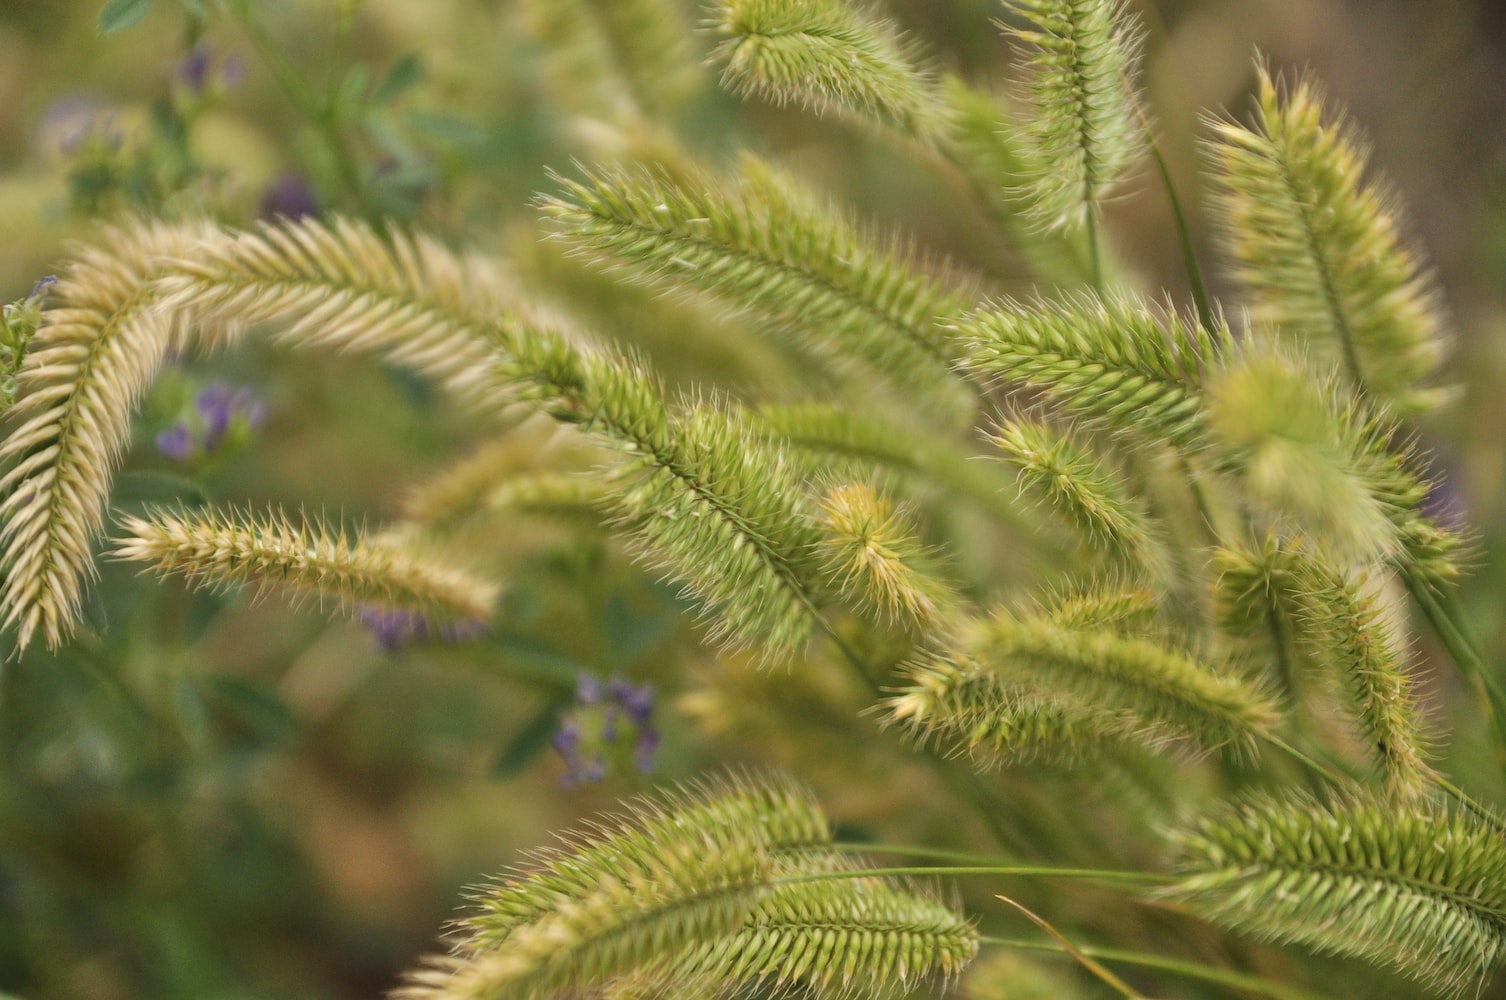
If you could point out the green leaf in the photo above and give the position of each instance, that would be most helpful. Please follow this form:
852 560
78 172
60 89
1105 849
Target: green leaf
405 73
118 15
530 741
250 708
135 489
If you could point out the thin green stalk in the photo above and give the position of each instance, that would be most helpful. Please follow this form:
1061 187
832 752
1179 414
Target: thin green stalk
1456 641
910 850
1024 871
1095 261
1481 813
1334 778
1184 235
322 112
1180 967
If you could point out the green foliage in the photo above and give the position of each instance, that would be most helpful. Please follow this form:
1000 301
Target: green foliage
956 490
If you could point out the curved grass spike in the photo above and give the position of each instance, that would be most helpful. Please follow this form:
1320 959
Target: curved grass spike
963 707
1161 687
97 350
871 549
708 498
774 814
714 886
761 244
1336 623
1065 476
121 308
1113 359
859 937
341 285
460 489
310 561
1414 887
1319 251
826 55
995 158
839 439
1281 426
1085 130
1120 606
1324 464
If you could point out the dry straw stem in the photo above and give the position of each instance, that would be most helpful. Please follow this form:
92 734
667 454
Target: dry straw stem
872 550
761 244
96 352
1112 359
1085 132
1319 251
341 285
826 55
309 561
706 496
1412 887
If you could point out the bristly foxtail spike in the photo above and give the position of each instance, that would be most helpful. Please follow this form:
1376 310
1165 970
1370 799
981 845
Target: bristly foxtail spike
308 560
96 352
1414 887
761 244
826 55
1321 251
1085 131
721 885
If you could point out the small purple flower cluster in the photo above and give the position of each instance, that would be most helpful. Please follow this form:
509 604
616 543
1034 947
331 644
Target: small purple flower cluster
220 412
204 71
393 628
610 725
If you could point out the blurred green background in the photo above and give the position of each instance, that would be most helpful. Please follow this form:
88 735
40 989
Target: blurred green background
209 796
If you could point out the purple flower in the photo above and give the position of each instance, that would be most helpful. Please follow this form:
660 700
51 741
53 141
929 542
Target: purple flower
393 628
636 700
289 197
177 443
196 70
644 750
610 727
218 411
